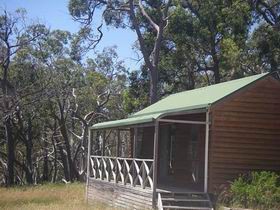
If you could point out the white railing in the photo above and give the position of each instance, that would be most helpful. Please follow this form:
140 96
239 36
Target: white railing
126 171
159 202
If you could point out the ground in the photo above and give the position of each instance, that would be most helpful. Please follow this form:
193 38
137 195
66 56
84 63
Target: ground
47 196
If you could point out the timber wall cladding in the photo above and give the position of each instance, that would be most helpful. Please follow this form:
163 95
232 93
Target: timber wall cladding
245 133
118 195
147 147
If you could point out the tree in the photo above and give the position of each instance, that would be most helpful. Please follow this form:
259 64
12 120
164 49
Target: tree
269 11
266 36
119 13
135 96
214 32
14 35
100 91
51 96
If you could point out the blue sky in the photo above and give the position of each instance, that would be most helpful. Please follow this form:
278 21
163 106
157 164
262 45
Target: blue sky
54 14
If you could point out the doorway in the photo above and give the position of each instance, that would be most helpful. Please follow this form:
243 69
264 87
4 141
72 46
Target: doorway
181 157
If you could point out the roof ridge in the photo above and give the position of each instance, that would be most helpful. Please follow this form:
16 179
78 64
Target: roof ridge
221 83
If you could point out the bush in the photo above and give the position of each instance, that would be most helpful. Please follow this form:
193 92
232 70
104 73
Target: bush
258 190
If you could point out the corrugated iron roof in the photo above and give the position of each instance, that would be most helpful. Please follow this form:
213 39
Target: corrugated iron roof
199 98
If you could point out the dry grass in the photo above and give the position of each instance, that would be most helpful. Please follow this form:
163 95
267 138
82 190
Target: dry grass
49 196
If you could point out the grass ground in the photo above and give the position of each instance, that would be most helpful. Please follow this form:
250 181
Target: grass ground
48 196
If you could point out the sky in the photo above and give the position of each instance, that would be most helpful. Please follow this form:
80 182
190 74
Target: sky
54 14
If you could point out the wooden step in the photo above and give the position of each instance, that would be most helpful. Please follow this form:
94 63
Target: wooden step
187 207
187 204
185 199
185 196
182 193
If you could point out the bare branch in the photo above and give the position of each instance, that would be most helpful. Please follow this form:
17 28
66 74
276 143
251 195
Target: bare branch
145 14
139 35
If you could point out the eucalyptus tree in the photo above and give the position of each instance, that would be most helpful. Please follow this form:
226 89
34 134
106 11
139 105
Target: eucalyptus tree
79 95
139 16
15 34
49 97
135 96
97 97
213 34
269 11
266 34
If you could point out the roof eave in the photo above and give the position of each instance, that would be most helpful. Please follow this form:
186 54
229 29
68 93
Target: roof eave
152 118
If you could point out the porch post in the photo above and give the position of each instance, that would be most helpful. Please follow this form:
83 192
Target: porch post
135 141
156 134
103 143
88 162
206 151
118 143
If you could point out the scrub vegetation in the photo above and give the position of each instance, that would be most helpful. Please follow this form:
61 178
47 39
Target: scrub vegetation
257 190
47 196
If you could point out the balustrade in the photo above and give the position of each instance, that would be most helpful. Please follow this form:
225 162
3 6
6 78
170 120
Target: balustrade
126 171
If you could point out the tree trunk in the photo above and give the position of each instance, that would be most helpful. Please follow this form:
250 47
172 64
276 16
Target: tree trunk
46 161
54 161
8 128
64 161
55 153
84 150
216 63
10 151
29 148
273 64
153 85
64 134
216 70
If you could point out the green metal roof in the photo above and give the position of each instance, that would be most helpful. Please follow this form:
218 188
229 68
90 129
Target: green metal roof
200 98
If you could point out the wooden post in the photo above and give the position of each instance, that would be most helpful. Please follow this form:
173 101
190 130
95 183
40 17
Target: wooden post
103 143
88 162
155 165
135 141
118 143
206 152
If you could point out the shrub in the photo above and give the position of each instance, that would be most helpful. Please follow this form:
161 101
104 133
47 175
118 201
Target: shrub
258 190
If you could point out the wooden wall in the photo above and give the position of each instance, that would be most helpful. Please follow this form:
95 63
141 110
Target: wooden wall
147 147
117 195
245 133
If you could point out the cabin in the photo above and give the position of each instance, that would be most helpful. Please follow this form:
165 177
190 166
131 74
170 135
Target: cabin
179 151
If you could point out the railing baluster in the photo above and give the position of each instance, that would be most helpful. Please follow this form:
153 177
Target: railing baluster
112 172
92 167
106 169
99 168
149 171
123 170
120 170
143 176
102 168
137 174
128 171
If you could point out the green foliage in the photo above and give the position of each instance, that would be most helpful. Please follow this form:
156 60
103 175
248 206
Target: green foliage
258 190
56 93
135 97
205 37
230 55
267 42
